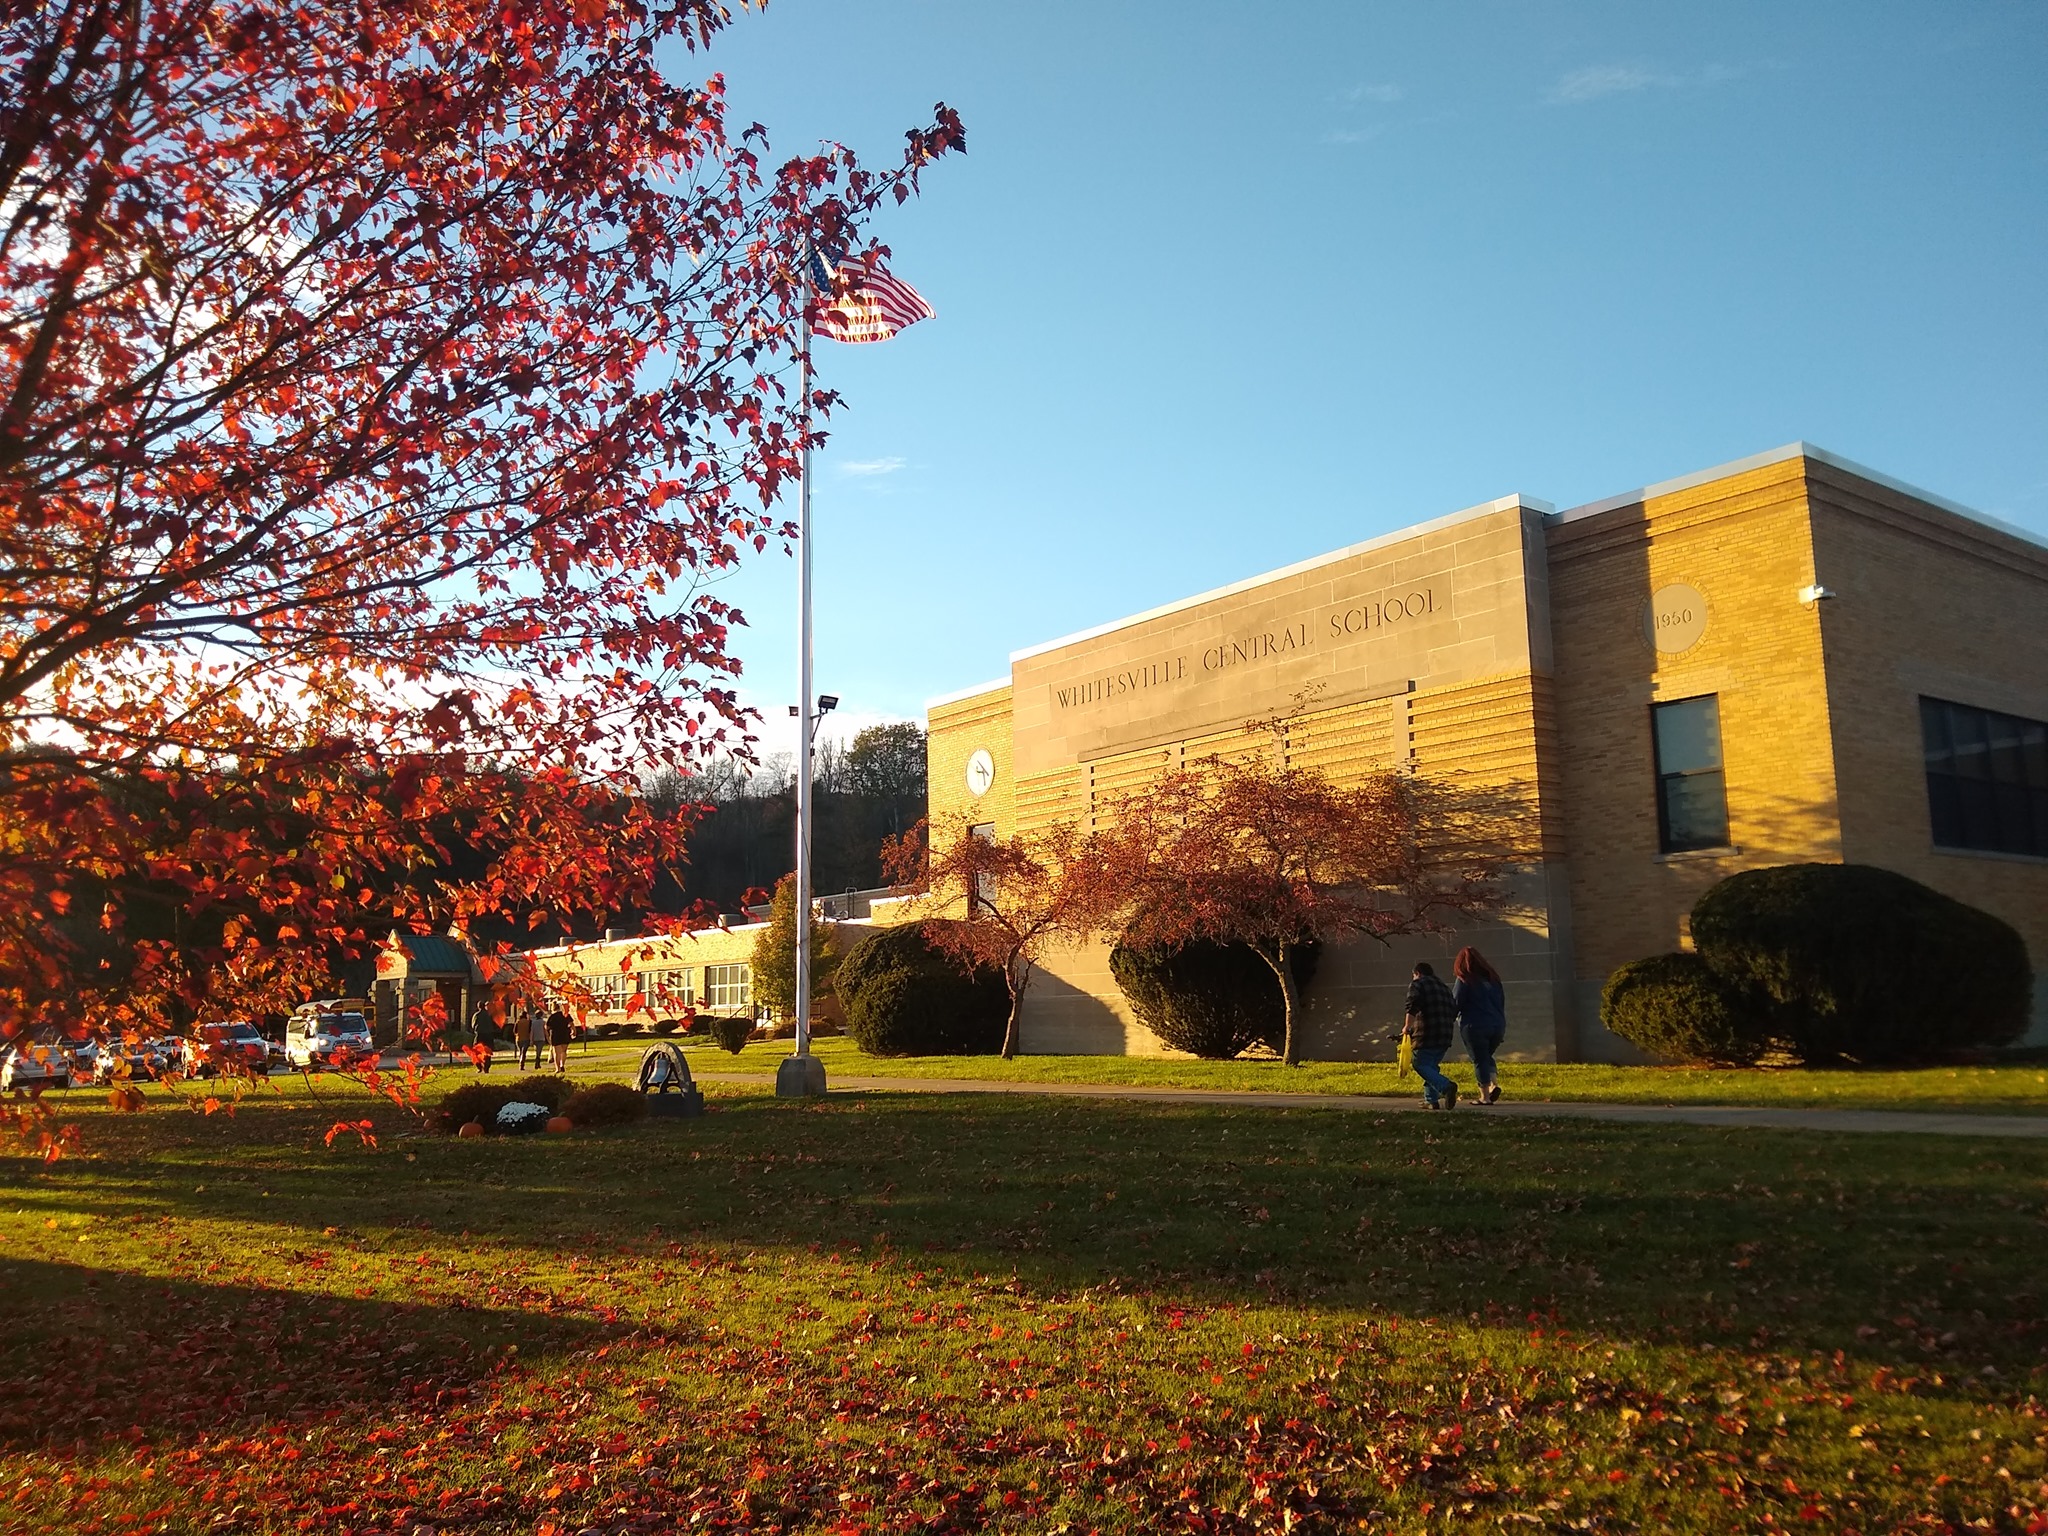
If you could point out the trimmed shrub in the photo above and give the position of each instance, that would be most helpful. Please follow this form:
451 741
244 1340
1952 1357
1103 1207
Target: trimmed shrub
731 1031
605 1104
544 1088
904 997
609 1030
474 1101
1674 1005
1848 962
666 1027
1212 1000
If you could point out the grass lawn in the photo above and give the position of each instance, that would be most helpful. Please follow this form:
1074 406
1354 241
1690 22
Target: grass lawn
2019 1088
953 1313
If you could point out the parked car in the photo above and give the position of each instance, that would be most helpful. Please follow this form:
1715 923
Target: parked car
317 1037
35 1064
226 1047
144 1059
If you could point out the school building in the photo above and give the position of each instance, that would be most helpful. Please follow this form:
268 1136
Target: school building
1784 659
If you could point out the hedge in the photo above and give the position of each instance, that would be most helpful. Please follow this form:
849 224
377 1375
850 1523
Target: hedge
1211 1000
906 997
605 1104
1849 962
1674 1005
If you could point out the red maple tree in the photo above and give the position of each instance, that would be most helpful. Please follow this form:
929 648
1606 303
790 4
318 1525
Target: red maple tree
381 383
1248 850
1020 895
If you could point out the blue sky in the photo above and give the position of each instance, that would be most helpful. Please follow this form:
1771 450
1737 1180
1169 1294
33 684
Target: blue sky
1224 286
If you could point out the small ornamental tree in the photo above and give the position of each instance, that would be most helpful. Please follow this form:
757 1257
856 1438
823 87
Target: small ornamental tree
1239 851
774 957
1019 895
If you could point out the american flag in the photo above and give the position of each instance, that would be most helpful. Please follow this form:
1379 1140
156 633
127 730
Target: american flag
859 301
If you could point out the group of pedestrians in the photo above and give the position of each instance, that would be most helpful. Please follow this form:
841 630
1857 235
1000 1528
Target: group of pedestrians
533 1029
1475 1005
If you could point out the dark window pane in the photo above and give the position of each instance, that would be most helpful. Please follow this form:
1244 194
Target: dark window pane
1934 734
1695 812
1689 736
1987 778
1692 800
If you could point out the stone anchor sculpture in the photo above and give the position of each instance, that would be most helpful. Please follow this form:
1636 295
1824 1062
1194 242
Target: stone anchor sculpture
665 1081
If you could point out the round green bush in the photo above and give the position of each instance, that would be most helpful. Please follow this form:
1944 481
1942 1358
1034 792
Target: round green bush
1211 1000
1674 1005
1848 962
547 1088
904 996
667 1027
605 1104
731 1031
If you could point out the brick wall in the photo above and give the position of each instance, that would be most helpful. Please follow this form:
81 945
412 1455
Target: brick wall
1745 543
1927 603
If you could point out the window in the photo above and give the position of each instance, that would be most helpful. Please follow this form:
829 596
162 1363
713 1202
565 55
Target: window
984 893
1692 801
729 988
1987 778
613 993
671 988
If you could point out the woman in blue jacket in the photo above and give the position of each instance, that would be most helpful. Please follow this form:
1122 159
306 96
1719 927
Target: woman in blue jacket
1482 1016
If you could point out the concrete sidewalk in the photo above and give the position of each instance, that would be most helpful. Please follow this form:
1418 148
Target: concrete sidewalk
1859 1121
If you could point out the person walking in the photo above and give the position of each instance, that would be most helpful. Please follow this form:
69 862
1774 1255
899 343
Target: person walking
1482 1016
483 1033
1427 1019
533 1034
561 1029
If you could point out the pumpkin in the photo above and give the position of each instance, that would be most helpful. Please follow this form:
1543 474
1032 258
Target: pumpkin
474 1128
561 1123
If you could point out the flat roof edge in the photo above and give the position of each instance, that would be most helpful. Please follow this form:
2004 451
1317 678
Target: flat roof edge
1398 536
960 695
1798 450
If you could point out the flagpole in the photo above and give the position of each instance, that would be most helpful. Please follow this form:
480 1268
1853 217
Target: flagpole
802 1075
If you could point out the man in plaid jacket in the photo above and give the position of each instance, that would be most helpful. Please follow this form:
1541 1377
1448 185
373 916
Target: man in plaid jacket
1429 1019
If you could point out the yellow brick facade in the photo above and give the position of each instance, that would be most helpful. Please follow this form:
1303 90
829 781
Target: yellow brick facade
1523 650
1745 543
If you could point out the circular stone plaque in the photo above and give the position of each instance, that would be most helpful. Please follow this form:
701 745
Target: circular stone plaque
981 772
1675 618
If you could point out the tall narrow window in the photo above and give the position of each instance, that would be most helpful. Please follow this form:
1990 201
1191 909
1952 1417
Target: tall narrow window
1987 778
1692 800
984 893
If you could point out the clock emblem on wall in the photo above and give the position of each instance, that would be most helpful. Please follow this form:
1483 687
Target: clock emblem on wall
981 772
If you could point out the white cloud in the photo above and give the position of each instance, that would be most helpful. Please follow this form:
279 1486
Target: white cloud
1350 135
1380 93
865 469
1598 80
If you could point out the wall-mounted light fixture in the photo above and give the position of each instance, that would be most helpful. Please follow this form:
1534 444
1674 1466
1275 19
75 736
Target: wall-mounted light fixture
1813 594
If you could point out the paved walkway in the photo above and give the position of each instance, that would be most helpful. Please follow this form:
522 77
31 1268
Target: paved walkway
1865 1121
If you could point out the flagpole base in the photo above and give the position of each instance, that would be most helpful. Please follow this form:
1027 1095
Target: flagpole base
800 1077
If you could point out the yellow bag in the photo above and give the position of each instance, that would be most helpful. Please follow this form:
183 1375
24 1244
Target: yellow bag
1405 1057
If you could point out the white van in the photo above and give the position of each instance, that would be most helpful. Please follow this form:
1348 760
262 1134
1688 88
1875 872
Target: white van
319 1032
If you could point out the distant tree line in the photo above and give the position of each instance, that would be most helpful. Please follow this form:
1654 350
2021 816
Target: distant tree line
868 791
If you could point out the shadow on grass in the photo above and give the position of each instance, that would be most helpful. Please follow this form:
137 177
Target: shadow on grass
1919 1254
93 1355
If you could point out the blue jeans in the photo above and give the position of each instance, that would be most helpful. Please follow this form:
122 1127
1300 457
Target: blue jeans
1429 1066
1482 1040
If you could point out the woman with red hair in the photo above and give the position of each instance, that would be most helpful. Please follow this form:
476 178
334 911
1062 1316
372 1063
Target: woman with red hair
1482 1016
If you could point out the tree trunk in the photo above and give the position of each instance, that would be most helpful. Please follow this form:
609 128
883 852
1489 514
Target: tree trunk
1018 975
1290 1001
